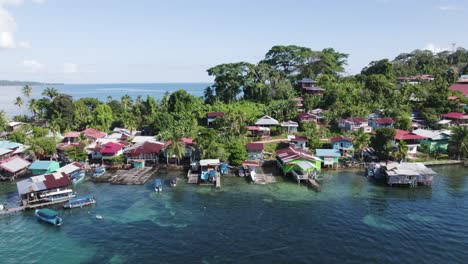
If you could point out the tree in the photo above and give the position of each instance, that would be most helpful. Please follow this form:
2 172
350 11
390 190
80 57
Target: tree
229 79
33 107
176 148
102 117
402 150
17 137
237 153
27 90
360 142
77 154
458 143
38 131
383 67
50 92
3 120
19 102
62 110
41 147
287 59
382 142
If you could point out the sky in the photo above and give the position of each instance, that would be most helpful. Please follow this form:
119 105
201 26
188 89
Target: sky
144 41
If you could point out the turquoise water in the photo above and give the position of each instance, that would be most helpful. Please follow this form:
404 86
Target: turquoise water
352 220
99 91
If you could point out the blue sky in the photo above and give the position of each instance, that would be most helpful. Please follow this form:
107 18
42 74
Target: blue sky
102 41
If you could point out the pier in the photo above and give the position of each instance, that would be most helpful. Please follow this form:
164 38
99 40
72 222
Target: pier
132 176
264 178
307 178
192 177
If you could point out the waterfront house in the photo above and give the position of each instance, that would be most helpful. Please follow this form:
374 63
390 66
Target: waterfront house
410 174
456 118
342 143
255 151
353 124
189 145
12 167
330 157
258 131
306 117
45 189
384 122
43 167
290 126
288 158
211 117
435 140
5 153
299 142
70 168
16 148
310 86
411 139
147 151
93 134
108 151
266 121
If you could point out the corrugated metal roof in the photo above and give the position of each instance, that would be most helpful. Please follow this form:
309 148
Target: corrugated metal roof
14 164
4 151
41 164
327 152
267 121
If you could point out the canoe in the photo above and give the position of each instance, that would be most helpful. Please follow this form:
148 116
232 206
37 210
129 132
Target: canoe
48 216
77 177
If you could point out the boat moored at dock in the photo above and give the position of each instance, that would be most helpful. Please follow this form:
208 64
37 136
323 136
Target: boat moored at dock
158 185
99 171
80 201
48 216
77 177
174 181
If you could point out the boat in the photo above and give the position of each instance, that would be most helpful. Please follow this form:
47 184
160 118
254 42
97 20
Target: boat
99 217
58 195
223 169
80 201
157 185
174 181
77 177
99 171
48 216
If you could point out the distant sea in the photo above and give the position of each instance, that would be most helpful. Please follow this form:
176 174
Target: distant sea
99 91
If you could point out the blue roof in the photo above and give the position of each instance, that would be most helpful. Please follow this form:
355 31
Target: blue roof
41 165
9 144
327 152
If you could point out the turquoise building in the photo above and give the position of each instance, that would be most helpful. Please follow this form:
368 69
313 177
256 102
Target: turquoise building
39 167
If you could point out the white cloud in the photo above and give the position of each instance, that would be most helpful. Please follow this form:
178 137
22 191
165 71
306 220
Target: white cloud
447 8
32 65
70 67
39 1
24 44
11 2
7 29
434 48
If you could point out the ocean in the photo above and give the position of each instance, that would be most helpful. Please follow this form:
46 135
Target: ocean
352 220
99 91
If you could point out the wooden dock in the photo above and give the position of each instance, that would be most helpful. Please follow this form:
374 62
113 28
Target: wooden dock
313 184
192 177
132 176
15 210
218 180
264 178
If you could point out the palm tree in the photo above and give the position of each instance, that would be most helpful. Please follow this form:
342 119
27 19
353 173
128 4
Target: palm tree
458 143
19 102
176 148
33 107
402 150
27 90
3 120
360 142
109 99
50 92
126 101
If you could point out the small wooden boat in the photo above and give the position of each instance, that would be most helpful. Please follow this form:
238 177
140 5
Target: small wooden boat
99 171
80 201
77 177
99 217
48 216
174 181
157 185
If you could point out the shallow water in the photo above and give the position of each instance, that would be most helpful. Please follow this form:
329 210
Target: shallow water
351 220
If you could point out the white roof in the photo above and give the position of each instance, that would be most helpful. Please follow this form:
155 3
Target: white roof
115 136
394 169
305 165
69 168
13 123
206 162
444 122
4 151
14 164
142 139
433 134
266 121
289 124
21 149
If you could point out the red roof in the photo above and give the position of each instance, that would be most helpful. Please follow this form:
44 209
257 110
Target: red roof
72 134
383 120
341 138
253 128
455 115
214 114
187 141
288 154
111 148
51 182
254 146
250 163
406 135
146 148
65 146
452 97
94 133
462 87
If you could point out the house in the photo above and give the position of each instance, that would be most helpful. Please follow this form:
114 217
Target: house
126 133
12 167
143 139
147 151
435 140
258 131
70 168
384 122
288 158
330 157
300 104
342 143
14 126
411 139
455 118
211 117
189 145
71 137
93 134
17 148
310 86
290 126
255 151
5 153
299 142
415 79
306 117
108 151
48 188
353 124
43 167
266 121
461 86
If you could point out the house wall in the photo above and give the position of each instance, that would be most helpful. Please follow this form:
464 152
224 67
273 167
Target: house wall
440 145
254 154
342 144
